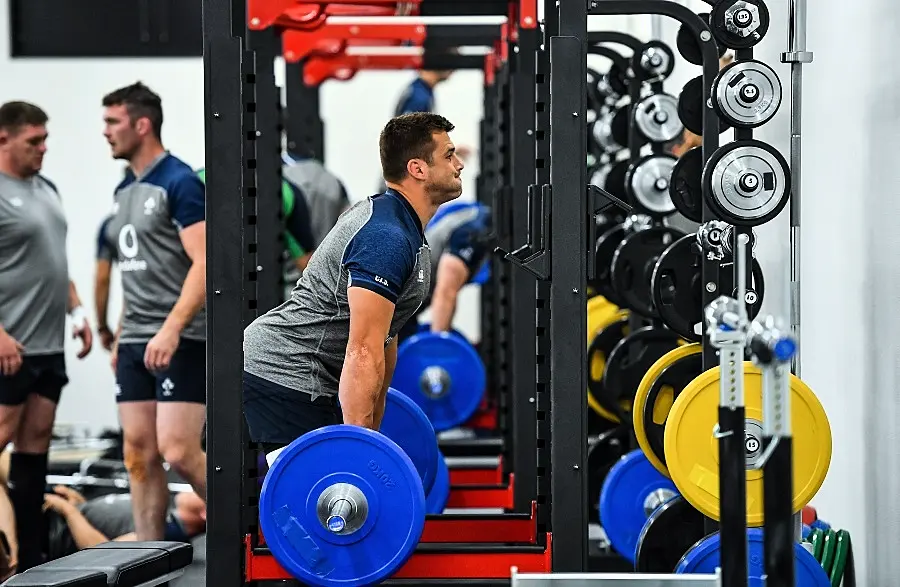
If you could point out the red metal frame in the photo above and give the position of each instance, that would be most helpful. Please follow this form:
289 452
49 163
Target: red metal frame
482 496
426 565
262 14
450 529
318 68
480 476
486 416
332 39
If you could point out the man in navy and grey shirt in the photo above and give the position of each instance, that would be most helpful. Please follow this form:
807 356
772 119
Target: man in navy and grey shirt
336 337
459 236
159 230
35 294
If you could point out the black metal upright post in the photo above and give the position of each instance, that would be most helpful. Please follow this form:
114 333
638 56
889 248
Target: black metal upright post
304 127
568 299
226 89
522 283
484 187
270 248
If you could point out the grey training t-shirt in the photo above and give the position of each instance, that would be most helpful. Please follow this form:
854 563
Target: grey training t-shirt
34 276
148 216
325 195
378 244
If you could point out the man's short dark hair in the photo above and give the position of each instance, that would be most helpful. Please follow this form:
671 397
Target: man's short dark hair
140 102
408 136
15 115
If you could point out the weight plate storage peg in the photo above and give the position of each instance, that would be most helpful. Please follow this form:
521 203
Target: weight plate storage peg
436 498
748 181
633 262
606 451
685 187
691 107
746 93
739 24
692 450
599 348
632 491
687 45
648 182
342 506
656 117
628 362
670 531
657 392
653 60
443 374
615 179
405 423
705 558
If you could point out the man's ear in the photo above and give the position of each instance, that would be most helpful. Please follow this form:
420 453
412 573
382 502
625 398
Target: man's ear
142 126
416 168
4 137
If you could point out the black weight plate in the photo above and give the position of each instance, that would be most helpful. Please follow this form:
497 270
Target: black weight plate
691 107
687 44
627 364
605 452
670 531
632 266
604 250
621 122
676 288
615 180
676 377
595 99
685 187
617 78
757 286
726 38
647 55
603 344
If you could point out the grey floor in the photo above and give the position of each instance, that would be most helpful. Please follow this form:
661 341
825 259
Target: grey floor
195 574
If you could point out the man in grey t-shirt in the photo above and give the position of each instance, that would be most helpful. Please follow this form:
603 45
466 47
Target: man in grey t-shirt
335 338
159 230
35 294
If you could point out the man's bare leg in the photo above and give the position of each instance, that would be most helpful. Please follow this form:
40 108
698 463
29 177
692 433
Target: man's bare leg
149 490
179 427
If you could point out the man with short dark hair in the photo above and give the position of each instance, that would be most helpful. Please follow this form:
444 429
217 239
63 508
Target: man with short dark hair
335 338
158 227
35 295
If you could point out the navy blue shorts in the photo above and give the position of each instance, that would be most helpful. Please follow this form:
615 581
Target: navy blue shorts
183 381
278 415
43 375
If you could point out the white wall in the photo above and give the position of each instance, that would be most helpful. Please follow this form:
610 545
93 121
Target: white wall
78 160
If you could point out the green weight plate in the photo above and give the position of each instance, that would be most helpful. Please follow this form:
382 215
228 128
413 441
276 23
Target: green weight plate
817 540
841 556
830 542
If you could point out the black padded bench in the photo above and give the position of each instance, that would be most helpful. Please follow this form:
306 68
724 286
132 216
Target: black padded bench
112 564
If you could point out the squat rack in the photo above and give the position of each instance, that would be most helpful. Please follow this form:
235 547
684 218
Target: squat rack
239 212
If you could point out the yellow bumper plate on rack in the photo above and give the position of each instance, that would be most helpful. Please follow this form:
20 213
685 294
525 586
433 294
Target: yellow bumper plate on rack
610 328
658 389
692 450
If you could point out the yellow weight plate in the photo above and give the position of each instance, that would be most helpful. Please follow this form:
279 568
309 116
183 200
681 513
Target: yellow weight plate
597 362
597 309
663 404
692 452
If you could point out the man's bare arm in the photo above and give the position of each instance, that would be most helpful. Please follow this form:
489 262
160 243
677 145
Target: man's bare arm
102 273
193 292
390 361
83 533
362 377
452 275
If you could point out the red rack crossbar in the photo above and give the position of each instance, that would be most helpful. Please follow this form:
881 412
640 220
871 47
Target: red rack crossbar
482 496
331 38
477 476
343 67
261 14
449 529
426 565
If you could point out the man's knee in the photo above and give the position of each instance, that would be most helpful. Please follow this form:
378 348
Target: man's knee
180 453
141 457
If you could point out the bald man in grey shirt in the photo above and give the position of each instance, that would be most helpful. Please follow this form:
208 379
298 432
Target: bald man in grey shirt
35 294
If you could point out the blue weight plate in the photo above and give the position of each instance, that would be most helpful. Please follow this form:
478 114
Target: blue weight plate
703 558
426 327
436 499
483 274
443 374
448 208
630 486
310 469
406 424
